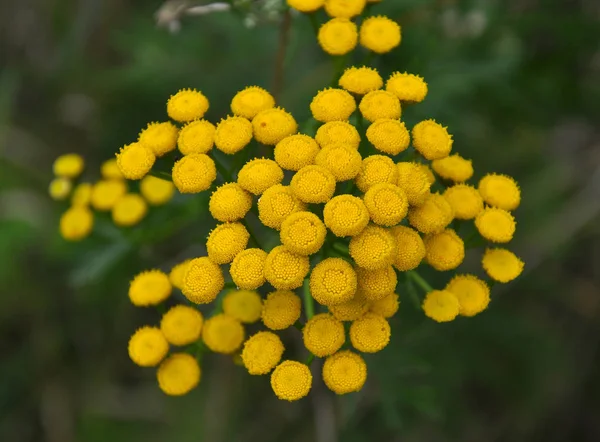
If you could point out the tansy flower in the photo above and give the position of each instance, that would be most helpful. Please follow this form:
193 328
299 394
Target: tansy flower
388 136
296 151
225 241
76 223
129 210
149 288
156 190
243 305
370 333
148 346
161 138
291 380
323 335
373 248
360 80
82 195
281 309
313 184
223 334
249 102
276 204
106 193
454 168
110 170
432 216
346 215
135 160
178 374
203 281
496 225
68 166
333 281
306 5
194 173
338 36
425 168
187 105
432 140
332 105
338 132
285 270
473 294
465 201
229 202
387 204
262 352
386 307
182 325
59 189
407 87
233 134
500 191
303 233
376 284
412 179
379 34
350 310
259 174
502 265
196 137
376 169
344 162
247 269
344 8
445 250
344 372
441 305
380 104
273 125
177 273
410 248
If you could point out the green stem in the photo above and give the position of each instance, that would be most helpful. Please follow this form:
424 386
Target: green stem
298 325
412 293
252 236
339 62
342 248
314 22
368 58
160 174
310 358
222 170
309 304
420 281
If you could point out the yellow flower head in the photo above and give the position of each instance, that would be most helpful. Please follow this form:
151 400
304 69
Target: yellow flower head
135 160
178 374
194 173
129 210
182 325
441 305
370 333
387 204
68 166
110 170
285 270
106 193
291 380
500 191
430 176
380 34
281 309
332 105
376 169
445 250
243 305
59 188
380 104
344 372
82 195
376 284
76 223
249 102
433 215
454 168
225 241
259 174
502 265
148 346
262 352
313 184
247 269
465 201
276 204
346 215
350 310
187 105
156 190
473 294
496 225
388 136
432 140
408 88
332 282
361 80
203 281
223 334
344 8
414 181
338 36
386 307
197 136
373 248
273 125
410 249
177 274
296 151
149 288
323 335
303 233
338 132
161 138
343 161
229 202
306 5
233 134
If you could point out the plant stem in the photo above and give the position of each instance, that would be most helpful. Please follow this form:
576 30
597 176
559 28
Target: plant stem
310 358
342 248
252 236
298 325
222 170
284 34
309 304
314 22
160 174
338 68
420 281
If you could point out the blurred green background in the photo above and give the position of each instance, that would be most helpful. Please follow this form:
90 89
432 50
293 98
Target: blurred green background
516 81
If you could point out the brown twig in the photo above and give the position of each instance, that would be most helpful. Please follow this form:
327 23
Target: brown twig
284 36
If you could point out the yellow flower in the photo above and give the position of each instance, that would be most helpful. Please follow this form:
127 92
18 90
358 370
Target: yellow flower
386 307
376 169
346 215
445 250
247 269
313 184
273 125
350 310
148 346
178 374
361 80
285 270
187 105
249 102
380 104
344 8
414 181
376 284
68 166
161 138
454 168
296 151
135 160
337 132
410 249
150 287
432 140
156 190
106 193
233 134
110 170
500 191
502 265
344 162
387 204
262 352
197 136
129 210
76 223
409 88
225 241
496 225
441 305
182 325
306 5
259 174
229 202
323 335
332 282
465 201
473 294
194 173
82 195
370 333
276 204
338 36
433 215
243 305
332 105
344 372
59 188
430 176
291 380
373 248
303 233
203 281
388 136
380 34
223 334
177 274
281 309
